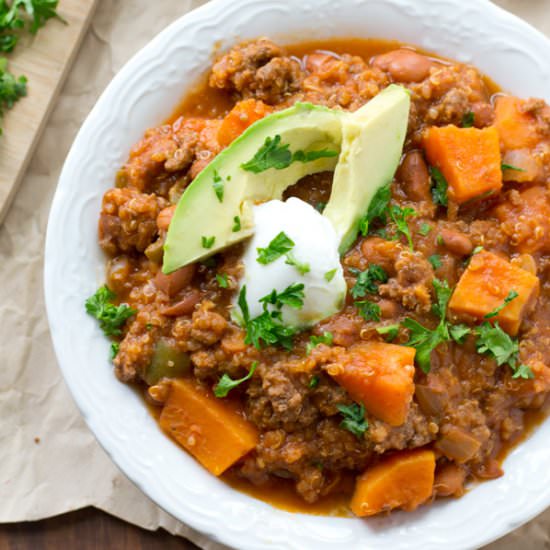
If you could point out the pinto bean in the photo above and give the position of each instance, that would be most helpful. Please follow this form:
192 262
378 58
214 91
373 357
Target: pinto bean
414 175
165 217
388 309
404 65
183 307
174 282
456 242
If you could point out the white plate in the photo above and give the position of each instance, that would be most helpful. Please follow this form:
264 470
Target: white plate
142 94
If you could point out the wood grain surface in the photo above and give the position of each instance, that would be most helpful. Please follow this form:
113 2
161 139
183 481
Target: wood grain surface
87 529
44 60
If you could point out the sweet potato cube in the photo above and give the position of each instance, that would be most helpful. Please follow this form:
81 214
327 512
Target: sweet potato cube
515 128
486 283
403 480
380 376
210 429
526 221
469 159
244 114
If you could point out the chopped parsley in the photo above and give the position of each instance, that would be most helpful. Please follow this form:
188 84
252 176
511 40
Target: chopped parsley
512 295
292 296
329 275
504 166
326 338
11 88
24 14
313 381
110 316
459 332
354 419
367 280
439 187
236 224
223 280
115 346
368 310
399 216
226 383
435 260
477 250
279 246
425 229
492 340
267 328
390 332
274 154
302 268
468 119
218 185
377 209
208 242
423 339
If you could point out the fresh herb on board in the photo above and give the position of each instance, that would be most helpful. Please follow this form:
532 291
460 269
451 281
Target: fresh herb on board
326 338
512 295
439 187
11 88
274 154
280 245
367 280
301 267
226 383
266 329
16 17
354 419
468 119
110 316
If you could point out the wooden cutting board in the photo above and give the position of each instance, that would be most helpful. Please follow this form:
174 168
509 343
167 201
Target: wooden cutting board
45 61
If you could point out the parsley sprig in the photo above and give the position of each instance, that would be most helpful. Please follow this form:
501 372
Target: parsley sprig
279 246
367 280
354 419
267 328
292 296
512 295
226 383
110 316
326 338
277 155
377 209
11 88
439 187
399 216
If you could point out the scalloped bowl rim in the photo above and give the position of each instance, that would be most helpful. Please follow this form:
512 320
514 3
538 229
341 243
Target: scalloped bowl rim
74 269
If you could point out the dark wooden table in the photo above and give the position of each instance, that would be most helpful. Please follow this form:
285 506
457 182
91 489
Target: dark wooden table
87 529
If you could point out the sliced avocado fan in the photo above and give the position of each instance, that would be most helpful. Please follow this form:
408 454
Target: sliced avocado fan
372 144
215 211
363 147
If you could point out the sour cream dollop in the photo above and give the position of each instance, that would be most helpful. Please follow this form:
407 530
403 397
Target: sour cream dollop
315 246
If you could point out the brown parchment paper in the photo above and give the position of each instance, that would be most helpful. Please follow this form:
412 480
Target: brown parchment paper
50 462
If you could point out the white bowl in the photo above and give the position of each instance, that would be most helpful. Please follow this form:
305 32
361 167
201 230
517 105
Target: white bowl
142 94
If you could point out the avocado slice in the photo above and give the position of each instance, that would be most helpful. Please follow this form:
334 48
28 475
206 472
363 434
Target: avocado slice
215 211
372 143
